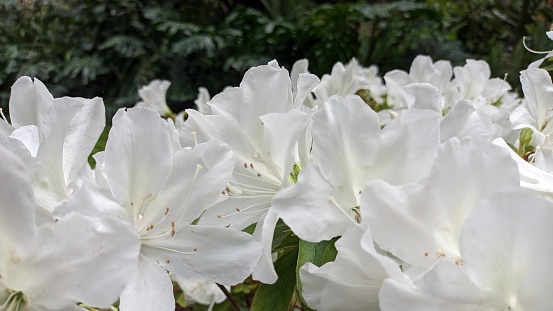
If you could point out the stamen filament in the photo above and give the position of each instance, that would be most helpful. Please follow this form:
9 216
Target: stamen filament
331 200
530 50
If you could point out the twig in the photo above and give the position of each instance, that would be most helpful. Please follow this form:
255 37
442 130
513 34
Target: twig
229 297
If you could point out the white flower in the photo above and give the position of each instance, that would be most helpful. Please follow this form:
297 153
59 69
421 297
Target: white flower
422 70
49 268
202 100
202 292
353 280
505 251
153 96
349 149
347 80
161 193
548 54
421 222
262 122
536 114
58 136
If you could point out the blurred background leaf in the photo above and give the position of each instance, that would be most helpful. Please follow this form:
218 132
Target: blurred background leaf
105 48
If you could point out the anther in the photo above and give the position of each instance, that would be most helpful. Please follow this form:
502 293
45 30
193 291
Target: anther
195 249
251 165
245 165
425 254
166 210
237 209
258 175
167 261
219 216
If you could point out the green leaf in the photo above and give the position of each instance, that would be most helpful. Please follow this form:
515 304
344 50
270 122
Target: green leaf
277 296
317 253
181 300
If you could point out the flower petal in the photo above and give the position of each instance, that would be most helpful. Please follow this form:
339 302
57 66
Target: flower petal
137 156
222 255
150 289
92 269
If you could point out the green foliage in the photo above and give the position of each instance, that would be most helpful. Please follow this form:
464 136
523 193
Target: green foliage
317 253
278 296
109 48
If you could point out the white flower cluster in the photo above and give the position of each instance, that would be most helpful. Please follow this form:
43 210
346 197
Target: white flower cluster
436 185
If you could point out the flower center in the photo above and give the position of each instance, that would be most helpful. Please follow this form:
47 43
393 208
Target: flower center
15 301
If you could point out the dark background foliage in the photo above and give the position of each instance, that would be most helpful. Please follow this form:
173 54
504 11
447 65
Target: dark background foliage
109 48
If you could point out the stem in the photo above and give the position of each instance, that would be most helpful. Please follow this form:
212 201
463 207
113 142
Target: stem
229 297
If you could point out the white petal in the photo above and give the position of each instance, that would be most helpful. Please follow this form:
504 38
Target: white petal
506 248
198 177
313 208
222 255
353 280
227 104
256 90
531 177
264 231
443 287
137 156
54 124
408 144
463 120
418 224
236 212
150 289
423 96
28 100
306 83
83 132
17 205
538 91
281 134
5 128
205 128
337 131
92 269
29 136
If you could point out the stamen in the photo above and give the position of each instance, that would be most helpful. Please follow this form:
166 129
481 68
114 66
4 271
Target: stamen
199 167
174 250
343 211
530 50
2 114
195 138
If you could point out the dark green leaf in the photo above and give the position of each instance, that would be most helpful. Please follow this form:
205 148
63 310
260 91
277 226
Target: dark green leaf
277 297
317 253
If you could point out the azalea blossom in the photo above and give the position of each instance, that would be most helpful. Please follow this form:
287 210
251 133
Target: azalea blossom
161 193
548 54
353 280
202 292
422 70
420 222
153 97
500 267
46 267
348 79
264 127
54 137
349 149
